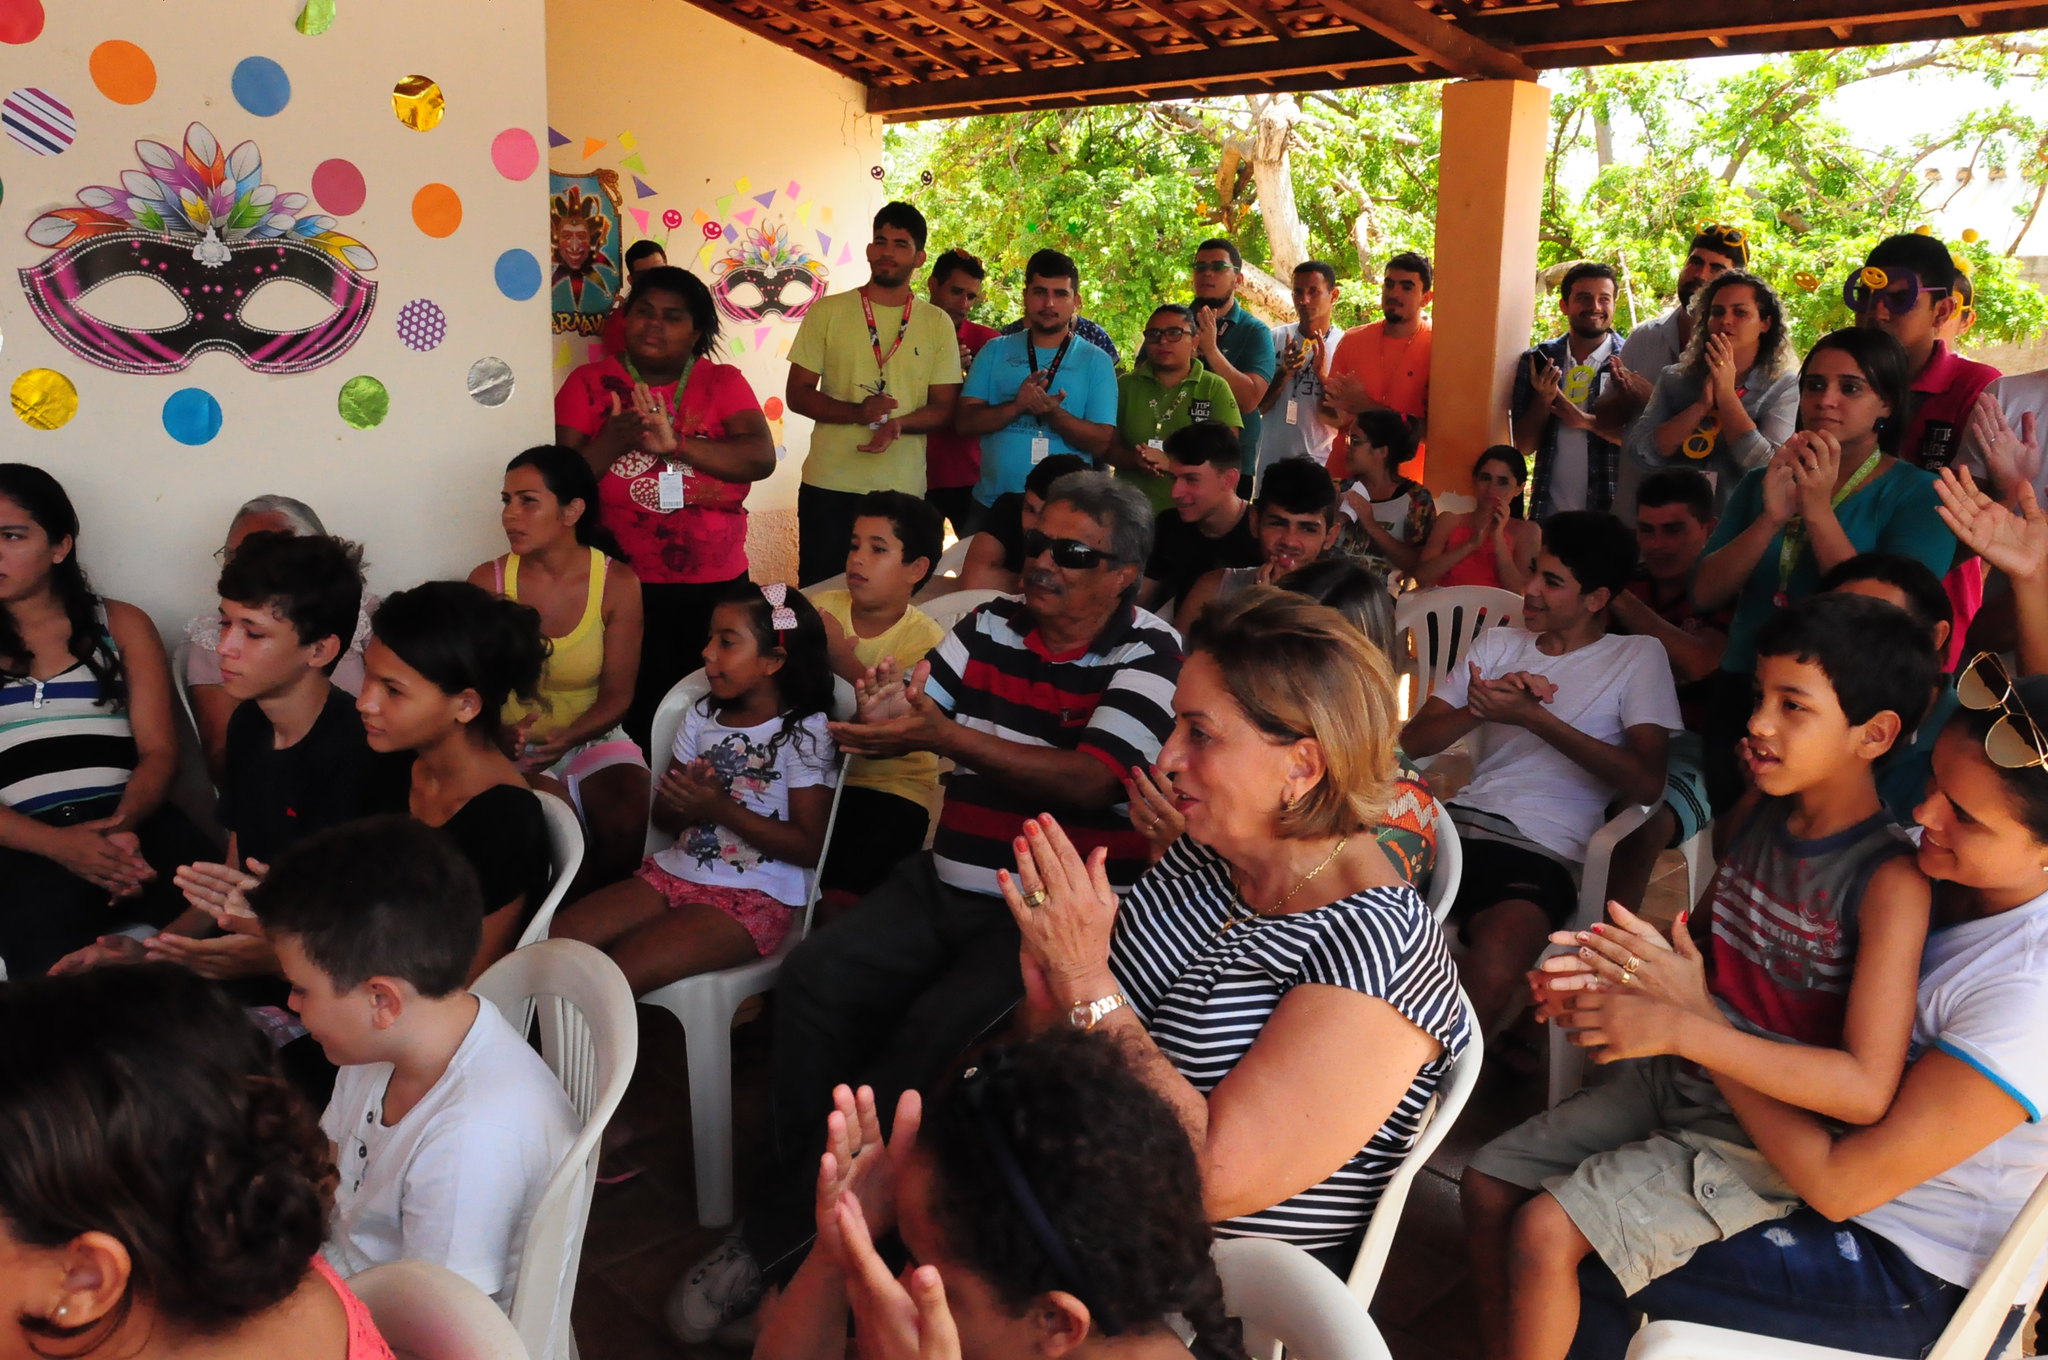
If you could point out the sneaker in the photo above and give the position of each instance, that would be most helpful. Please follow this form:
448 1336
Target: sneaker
725 1286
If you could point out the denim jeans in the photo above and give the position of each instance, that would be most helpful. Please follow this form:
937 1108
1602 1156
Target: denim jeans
1802 1278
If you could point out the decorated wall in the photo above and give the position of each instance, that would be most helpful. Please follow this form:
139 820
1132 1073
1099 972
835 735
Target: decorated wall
273 246
753 167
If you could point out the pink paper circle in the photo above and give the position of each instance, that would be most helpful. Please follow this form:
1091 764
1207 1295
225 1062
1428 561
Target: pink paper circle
339 187
515 153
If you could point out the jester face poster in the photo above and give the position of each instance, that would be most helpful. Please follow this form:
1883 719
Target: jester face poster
586 240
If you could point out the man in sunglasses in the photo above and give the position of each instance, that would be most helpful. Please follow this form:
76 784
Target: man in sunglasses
1042 703
1232 343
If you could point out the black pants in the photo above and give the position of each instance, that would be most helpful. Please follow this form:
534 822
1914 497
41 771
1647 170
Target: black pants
46 911
888 996
824 529
874 834
958 505
677 624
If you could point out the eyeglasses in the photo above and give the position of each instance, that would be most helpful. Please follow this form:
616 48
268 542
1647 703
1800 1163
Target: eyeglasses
1213 266
1070 554
1899 291
1153 337
1734 236
2014 741
223 555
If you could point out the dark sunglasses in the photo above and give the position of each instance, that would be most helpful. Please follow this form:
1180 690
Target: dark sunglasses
1212 266
1153 337
2014 741
1069 553
1899 290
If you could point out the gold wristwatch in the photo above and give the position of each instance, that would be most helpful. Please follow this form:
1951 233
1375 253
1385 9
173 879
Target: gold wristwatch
1089 1014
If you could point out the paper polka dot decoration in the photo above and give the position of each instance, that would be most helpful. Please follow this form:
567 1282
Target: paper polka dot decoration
38 120
422 325
363 402
261 86
419 103
515 153
518 274
21 21
122 71
44 399
191 416
339 187
437 210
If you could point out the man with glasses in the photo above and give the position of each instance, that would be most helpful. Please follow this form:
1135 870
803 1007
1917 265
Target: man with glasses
1043 703
1042 391
1384 366
1167 391
1232 343
1294 415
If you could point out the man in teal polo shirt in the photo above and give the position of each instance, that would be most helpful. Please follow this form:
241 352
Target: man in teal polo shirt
1232 343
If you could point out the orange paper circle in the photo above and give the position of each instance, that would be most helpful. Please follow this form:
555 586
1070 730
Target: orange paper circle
437 210
123 71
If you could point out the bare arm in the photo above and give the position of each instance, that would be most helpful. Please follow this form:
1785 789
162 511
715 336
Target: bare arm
1437 558
977 417
1694 656
622 635
1088 436
1435 727
148 674
799 841
839 646
745 453
1634 769
1197 599
211 708
983 569
1515 553
1675 431
937 411
802 396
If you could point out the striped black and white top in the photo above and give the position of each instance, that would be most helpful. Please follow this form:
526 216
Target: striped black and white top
1205 998
62 747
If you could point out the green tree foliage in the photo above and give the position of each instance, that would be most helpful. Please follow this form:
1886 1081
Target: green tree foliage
1639 157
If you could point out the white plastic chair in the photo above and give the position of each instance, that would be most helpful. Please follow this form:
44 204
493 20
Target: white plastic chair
1444 1108
948 610
705 1004
428 1312
565 854
590 1038
954 559
1289 1301
1449 871
1968 1336
1444 622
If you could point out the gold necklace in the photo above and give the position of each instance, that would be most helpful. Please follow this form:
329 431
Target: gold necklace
1305 880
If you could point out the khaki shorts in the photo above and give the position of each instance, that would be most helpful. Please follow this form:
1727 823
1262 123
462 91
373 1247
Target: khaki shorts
1650 1166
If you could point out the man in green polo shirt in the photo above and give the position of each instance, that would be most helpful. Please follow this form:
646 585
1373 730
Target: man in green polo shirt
1232 343
1166 391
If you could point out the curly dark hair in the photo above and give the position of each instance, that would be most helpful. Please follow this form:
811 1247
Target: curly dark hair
162 1120
42 497
1120 1189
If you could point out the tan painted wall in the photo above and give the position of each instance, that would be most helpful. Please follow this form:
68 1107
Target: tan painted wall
718 116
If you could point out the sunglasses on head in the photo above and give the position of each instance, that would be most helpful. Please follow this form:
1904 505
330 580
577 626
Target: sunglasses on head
1213 266
2015 741
1070 553
1158 333
1900 290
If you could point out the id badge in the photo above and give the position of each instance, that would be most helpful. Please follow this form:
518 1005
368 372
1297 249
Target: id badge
671 488
1041 448
1293 411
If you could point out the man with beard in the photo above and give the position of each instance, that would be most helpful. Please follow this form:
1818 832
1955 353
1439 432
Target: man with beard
1299 426
876 369
1556 387
1042 703
1385 366
1232 343
1041 391
952 461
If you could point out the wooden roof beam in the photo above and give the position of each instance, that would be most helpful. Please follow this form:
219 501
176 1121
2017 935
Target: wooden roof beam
895 32
1260 15
1044 32
966 33
817 22
1437 41
1640 22
1159 10
761 28
1080 13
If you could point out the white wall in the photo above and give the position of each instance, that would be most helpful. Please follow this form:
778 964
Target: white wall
420 490
707 106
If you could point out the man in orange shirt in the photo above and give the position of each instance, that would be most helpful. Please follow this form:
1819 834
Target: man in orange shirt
1385 366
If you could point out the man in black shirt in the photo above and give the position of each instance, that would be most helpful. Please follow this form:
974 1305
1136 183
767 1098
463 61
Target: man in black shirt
1209 525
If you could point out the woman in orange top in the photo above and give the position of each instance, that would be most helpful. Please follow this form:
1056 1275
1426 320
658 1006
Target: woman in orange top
1490 544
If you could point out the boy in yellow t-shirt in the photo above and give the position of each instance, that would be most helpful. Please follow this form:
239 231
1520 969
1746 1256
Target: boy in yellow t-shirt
885 809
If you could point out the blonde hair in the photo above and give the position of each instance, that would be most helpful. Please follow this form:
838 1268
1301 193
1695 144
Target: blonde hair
1300 670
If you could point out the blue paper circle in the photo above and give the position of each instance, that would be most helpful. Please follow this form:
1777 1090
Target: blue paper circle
261 86
191 415
518 274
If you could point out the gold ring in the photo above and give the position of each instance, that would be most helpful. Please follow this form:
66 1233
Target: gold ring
1632 965
1035 899
1628 977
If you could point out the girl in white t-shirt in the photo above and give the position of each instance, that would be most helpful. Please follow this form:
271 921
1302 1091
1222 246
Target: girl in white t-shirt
746 794
1905 1213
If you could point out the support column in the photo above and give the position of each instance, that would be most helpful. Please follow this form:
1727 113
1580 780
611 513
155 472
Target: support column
1496 138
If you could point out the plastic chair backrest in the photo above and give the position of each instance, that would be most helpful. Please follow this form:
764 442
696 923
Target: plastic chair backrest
179 659
590 1038
948 610
1437 1121
954 559
428 1312
1287 1298
1449 870
1445 621
661 739
565 854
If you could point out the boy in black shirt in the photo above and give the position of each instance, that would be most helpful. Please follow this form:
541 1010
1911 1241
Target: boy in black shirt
1210 524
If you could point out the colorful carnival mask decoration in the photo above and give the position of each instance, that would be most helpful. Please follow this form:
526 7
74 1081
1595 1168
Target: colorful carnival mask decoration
766 274
204 226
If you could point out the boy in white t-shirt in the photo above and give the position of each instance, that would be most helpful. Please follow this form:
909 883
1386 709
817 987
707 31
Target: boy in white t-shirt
1566 719
446 1127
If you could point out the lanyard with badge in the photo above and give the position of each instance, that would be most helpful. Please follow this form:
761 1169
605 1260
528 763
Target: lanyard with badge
669 484
1041 442
1794 541
867 309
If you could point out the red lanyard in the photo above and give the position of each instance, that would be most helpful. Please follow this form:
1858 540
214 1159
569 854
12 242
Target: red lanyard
875 339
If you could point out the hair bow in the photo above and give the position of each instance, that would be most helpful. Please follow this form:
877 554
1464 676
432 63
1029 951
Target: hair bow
780 616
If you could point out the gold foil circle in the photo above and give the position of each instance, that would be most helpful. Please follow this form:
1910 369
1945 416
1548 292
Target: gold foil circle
44 399
419 103
490 382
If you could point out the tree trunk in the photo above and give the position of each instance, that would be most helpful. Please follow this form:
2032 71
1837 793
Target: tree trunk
1272 137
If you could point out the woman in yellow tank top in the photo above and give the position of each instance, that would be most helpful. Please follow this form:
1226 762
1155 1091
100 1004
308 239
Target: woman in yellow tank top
565 564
